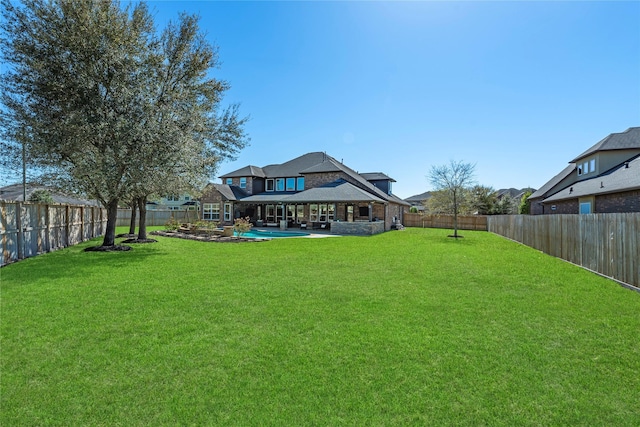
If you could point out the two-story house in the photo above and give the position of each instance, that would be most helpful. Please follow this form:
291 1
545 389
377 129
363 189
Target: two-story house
310 191
603 179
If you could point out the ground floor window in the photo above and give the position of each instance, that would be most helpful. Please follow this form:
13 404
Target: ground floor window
585 207
322 212
211 211
227 211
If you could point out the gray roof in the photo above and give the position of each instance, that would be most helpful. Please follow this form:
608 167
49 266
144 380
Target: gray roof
315 162
627 140
620 178
14 193
542 191
338 191
231 192
377 176
246 171
270 197
419 198
295 167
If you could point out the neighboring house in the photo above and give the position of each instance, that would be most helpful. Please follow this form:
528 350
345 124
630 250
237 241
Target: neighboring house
174 202
603 179
515 194
418 201
15 193
313 190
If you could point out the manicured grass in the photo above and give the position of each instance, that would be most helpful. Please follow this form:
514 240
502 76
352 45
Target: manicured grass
401 328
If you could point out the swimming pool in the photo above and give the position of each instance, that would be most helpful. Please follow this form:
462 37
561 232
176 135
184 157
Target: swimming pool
264 234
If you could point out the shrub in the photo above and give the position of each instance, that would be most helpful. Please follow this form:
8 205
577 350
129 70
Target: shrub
41 196
241 225
172 224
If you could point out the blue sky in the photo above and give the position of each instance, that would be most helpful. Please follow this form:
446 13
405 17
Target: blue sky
518 88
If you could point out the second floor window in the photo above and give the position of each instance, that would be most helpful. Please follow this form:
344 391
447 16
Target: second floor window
300 183
243 182
279 184
291 184
229 181
269 185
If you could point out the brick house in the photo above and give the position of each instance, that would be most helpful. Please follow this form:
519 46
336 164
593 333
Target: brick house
310 191
603 179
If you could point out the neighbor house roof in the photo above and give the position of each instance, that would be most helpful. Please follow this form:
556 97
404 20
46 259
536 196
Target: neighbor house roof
627 140
623 177
419 198
14 193
542 191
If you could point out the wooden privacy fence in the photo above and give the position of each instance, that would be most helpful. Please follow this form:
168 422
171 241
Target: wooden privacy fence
28 229
467 222
605 243
157 217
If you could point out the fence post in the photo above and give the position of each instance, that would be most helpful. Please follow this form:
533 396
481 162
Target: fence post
19 231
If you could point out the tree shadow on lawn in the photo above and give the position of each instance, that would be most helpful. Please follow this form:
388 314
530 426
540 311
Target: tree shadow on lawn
75 262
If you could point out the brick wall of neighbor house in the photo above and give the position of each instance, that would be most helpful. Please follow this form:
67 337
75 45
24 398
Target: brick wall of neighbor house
562 207
535 207
628 201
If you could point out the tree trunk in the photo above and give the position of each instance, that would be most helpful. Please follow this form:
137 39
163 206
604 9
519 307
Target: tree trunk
132 224
142 225
112 217
455 215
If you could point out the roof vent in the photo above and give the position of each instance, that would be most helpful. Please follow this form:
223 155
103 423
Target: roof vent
626 165
601 184
570 190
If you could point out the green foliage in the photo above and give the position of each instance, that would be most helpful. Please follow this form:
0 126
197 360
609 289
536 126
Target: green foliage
172 224
413 209
242 225
425 331
88 87
525 204
41 196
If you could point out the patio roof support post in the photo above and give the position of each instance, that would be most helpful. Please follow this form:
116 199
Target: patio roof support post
370 212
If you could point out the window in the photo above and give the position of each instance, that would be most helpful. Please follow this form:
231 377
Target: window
291 213
279 184
291 184
243 182
271 213
300 212
313 213
229 181
269 185
227 211
585 207
173 198
389 192
363 211
592 165
211 211
187 198
300 183
585 168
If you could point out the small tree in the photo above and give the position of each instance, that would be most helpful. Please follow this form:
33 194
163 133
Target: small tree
41 196
242 225
525 204
454 180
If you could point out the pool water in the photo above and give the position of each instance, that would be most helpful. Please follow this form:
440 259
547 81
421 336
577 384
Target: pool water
263 234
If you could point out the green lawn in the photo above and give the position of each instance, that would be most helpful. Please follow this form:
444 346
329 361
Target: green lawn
403 328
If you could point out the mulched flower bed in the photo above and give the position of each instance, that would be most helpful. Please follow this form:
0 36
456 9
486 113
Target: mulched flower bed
205 238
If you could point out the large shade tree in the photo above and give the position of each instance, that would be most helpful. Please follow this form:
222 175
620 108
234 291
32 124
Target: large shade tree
453 182
114 108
